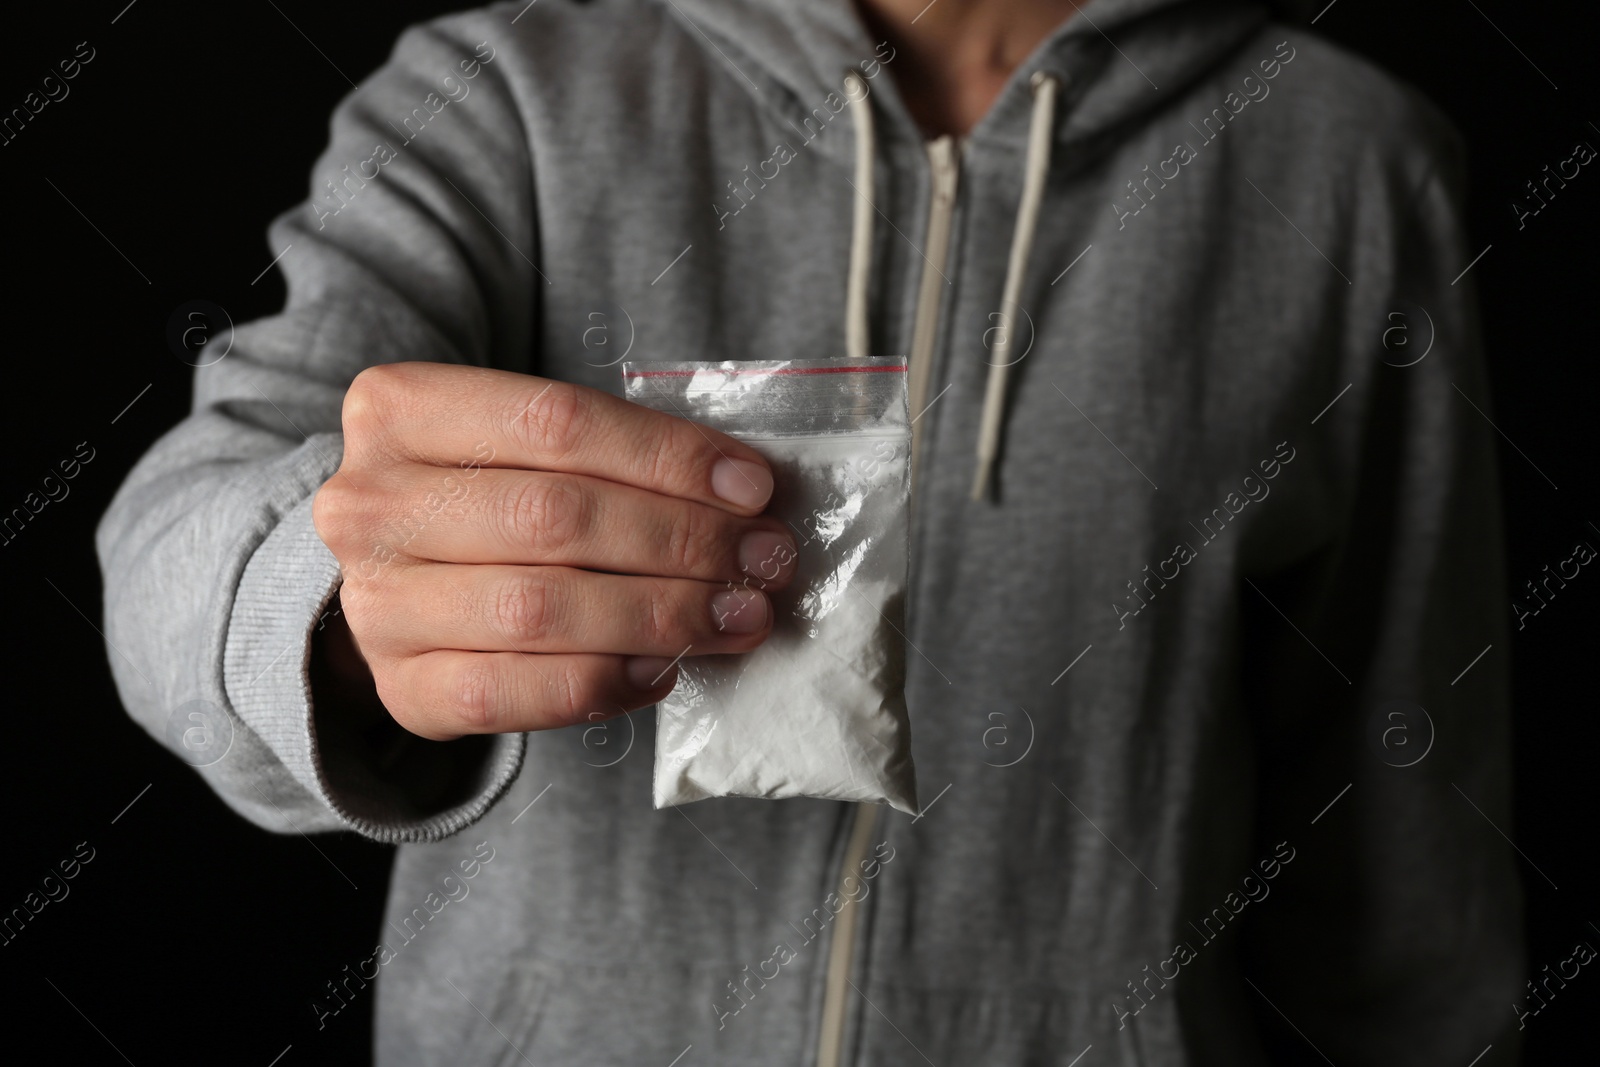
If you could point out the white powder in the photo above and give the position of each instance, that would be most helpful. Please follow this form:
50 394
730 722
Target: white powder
819 708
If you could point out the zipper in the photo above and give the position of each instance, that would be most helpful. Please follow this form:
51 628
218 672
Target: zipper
841 947
942 161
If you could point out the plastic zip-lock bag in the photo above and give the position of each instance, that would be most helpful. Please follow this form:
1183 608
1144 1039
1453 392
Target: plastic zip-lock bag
818 709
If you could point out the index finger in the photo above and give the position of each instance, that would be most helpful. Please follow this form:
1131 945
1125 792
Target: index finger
439 413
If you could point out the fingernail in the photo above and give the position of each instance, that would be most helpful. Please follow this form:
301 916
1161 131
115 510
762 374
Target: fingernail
739 611
765 554
740 482
648 672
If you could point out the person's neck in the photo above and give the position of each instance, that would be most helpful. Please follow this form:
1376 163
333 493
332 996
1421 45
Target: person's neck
954 56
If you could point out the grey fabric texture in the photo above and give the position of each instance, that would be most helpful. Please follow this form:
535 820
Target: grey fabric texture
1228 529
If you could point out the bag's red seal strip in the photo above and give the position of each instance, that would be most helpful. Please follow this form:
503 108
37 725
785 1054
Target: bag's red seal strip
779 370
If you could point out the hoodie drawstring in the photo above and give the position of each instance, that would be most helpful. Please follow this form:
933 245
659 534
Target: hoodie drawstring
1035 169
861 230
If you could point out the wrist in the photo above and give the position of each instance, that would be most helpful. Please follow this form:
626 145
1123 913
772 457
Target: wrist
344 697
349 716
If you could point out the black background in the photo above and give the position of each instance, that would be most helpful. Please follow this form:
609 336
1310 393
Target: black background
193 937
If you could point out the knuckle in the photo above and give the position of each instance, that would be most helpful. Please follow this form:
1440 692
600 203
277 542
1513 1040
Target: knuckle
552 421
473 702
522 609
325 511
663 451
334 511
688 541
549 513
661 616
378 621
365 399
571 696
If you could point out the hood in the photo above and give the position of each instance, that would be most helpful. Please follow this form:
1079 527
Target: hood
1116 60
1099 74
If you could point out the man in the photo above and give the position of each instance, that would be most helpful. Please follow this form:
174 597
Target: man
1194 536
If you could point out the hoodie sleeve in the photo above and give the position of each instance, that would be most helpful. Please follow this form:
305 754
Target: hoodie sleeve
413 245
1382 706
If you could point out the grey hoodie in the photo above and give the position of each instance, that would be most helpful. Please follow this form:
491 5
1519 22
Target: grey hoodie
1205 545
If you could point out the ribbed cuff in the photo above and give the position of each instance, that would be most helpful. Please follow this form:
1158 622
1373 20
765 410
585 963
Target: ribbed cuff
285 588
